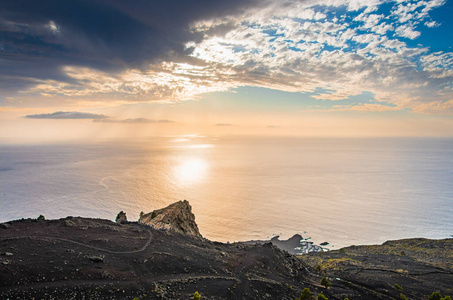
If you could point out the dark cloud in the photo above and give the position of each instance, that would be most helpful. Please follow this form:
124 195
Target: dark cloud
133 121
66 115
37 38
74 115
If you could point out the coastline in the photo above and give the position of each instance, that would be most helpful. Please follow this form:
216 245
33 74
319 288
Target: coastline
319 192
164 257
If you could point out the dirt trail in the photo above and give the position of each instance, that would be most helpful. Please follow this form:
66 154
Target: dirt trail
42 237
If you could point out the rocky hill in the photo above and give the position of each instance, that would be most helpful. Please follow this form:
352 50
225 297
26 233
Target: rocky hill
77 258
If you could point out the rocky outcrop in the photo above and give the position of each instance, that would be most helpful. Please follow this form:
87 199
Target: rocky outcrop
177 217
121 217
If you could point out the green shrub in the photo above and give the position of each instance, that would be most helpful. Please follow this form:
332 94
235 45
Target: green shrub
41 217
325 282
343 251
306 295
398 287
403 297
153 214
435 296
196 296
446 298
321 297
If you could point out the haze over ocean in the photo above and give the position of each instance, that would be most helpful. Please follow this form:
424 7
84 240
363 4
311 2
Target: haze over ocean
345 191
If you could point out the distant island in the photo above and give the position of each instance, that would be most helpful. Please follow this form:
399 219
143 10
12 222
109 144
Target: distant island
164 256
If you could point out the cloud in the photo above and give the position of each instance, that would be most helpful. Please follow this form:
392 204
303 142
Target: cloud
432 24
177 50
438 108
167 81
66 115
415 11
362 107
408 31
224 124
73 115
133 121
39 38
373 107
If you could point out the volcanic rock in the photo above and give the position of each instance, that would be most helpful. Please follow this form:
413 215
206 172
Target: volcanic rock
177 217
121 217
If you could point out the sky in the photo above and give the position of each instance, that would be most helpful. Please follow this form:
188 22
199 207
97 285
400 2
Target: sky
106 68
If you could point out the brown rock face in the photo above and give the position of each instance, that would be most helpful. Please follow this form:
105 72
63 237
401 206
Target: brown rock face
177 217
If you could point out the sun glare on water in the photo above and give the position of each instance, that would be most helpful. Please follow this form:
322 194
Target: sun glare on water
190 171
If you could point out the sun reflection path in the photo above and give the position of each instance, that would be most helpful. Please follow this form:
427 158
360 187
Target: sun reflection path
190 171
200 146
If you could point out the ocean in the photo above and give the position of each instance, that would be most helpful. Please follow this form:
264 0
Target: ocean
341 191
